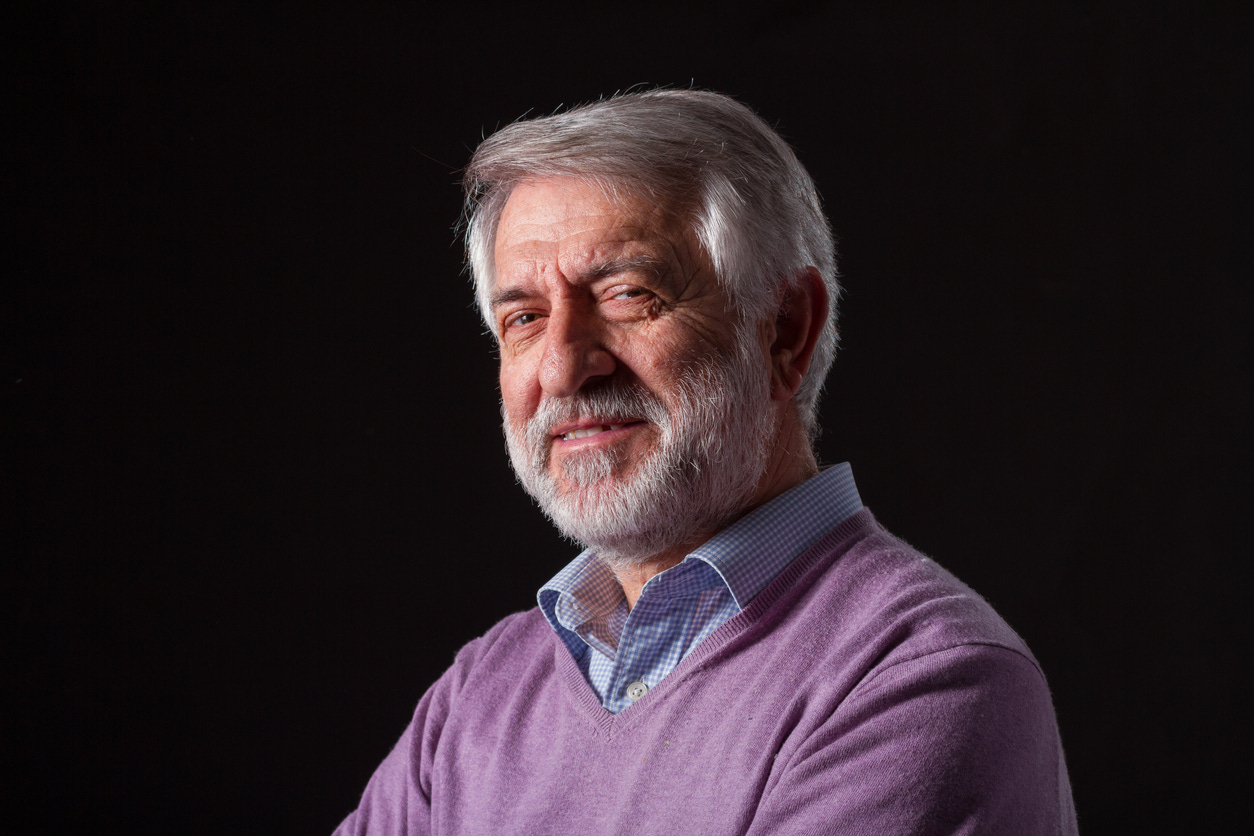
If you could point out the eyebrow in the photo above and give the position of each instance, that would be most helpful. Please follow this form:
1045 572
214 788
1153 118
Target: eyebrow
657 267
507 296
648 262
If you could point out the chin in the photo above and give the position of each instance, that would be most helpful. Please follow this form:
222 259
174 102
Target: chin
631 519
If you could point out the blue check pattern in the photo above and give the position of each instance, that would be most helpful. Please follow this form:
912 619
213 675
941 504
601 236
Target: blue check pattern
680 607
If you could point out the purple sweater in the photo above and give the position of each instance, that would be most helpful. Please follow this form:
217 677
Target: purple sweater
864 691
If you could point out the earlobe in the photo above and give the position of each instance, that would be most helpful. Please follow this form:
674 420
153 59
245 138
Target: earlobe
798 325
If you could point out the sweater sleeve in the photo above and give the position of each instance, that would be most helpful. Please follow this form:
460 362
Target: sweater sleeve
961 740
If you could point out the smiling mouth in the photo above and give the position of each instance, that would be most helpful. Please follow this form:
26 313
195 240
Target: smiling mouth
585 432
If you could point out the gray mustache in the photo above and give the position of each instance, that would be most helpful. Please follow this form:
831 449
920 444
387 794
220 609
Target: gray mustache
611 402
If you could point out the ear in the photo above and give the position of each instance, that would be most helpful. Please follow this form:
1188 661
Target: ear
802 315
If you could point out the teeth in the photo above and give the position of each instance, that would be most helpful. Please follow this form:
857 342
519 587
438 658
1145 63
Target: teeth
587 431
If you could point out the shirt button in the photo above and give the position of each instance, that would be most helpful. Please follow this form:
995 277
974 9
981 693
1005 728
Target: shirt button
636 690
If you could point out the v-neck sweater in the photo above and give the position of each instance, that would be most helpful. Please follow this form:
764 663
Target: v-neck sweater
865 690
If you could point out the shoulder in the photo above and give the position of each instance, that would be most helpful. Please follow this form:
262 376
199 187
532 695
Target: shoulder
514 633
518 647
860 602
913 682
904 586
883 592
520 639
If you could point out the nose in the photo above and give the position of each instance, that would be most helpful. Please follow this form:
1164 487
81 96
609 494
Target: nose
574 351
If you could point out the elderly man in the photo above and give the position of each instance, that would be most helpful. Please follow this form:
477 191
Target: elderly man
741 648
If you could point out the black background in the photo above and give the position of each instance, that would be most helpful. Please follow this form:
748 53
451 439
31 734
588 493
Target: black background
254 489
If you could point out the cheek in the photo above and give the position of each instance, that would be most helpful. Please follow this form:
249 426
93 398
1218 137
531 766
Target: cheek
662 363
519 390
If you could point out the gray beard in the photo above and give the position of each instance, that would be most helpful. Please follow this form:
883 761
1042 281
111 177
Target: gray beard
699 478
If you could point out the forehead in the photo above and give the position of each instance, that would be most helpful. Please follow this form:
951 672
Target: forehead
570 219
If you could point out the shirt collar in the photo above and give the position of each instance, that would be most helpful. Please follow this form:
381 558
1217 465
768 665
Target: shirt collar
750 552
746 556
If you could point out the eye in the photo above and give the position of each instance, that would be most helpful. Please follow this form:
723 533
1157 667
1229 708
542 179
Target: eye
524 318
630 301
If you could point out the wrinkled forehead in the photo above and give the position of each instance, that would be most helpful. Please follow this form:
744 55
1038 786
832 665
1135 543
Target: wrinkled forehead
566 218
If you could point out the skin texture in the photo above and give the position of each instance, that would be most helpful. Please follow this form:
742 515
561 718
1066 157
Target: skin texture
588 288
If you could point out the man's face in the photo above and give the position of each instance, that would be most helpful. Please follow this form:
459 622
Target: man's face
634 412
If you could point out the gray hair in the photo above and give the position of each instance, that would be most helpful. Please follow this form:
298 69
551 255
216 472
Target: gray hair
752 206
